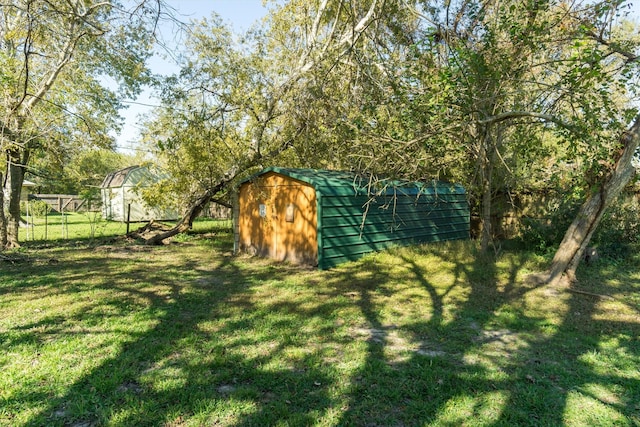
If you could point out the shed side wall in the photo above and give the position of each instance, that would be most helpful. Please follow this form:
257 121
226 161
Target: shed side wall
277 235
355 225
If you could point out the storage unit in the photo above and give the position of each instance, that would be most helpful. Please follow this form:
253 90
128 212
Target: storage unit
121 199
323 217
26 188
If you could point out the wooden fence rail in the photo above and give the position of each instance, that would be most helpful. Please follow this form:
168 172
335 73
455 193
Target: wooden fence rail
63 202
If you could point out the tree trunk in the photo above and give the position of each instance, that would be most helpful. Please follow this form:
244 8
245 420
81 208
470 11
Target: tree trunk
571 249
3 218
199 204
186 222
487 232
486 161
13 191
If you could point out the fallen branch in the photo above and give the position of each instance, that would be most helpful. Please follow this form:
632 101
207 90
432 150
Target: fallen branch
148 230
578 291
186 222
13 259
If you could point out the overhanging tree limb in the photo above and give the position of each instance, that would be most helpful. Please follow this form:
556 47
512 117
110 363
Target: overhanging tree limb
186 222
266 109
525 114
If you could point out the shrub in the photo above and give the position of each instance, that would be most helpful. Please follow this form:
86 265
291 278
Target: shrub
39 208
619 229
542 233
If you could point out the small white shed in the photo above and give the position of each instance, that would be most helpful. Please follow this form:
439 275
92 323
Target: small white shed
121 198
26 188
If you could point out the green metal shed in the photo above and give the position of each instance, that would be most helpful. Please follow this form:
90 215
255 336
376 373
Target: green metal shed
340 217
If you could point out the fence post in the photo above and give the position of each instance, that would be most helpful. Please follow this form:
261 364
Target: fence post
27 218
33 230
128 215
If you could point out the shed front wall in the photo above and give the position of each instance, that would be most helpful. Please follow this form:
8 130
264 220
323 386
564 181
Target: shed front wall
277 218
117 201
112 204
139 210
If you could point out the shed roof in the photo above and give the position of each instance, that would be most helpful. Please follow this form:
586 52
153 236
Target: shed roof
117 178
345 183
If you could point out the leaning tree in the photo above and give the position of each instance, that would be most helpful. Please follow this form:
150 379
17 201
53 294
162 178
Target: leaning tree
236 107
65 67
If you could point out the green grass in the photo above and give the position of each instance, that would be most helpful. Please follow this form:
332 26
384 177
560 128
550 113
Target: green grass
84 225
116 334
87 226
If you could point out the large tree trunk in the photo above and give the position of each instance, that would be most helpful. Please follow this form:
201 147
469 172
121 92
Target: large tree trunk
3 218
13 191
487 226
486 161
571 249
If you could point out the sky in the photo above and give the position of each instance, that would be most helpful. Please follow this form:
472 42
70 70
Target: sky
240 15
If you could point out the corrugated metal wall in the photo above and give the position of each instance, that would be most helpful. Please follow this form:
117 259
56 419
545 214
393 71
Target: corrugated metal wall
351 226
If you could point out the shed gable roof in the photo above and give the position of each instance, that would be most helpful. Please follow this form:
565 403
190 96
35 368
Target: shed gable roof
345 183
117 178
139 175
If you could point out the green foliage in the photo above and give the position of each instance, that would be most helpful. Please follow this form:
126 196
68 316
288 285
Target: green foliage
616 237
48 93
496 96
544 234
504 95
618 234
209 129
236 107
66 67
39 208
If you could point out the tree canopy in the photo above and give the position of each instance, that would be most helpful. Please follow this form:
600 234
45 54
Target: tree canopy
56 58
496 95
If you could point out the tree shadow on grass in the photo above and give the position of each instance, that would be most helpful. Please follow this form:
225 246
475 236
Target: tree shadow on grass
210 344
485 361
412 386
207 355
575 373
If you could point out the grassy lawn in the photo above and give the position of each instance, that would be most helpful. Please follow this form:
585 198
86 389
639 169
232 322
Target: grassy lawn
70 226
108 332
82 226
